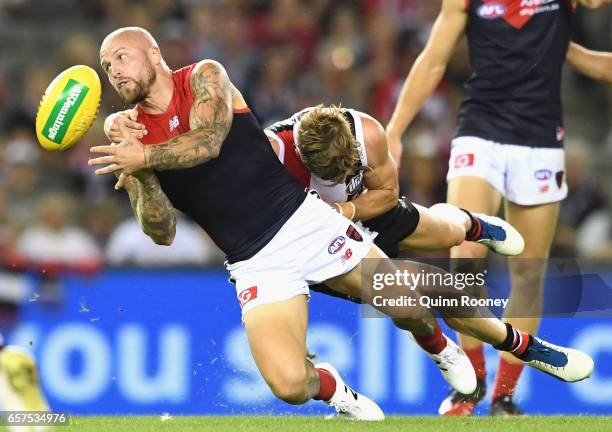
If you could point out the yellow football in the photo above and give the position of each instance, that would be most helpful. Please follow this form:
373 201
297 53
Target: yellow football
68 108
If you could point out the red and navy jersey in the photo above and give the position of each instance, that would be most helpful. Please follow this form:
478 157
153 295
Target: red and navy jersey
241 198
517 49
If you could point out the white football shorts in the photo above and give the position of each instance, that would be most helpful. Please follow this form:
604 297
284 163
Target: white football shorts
523 175
314 245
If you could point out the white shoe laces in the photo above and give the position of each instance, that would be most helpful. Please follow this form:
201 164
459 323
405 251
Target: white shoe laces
341 406
448 358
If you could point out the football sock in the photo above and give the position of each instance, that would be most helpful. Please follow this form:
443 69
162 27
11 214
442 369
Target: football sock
434 343
517 342
474 232
327 386
476 356
506 378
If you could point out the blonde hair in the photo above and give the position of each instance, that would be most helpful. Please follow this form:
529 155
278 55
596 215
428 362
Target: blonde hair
326 144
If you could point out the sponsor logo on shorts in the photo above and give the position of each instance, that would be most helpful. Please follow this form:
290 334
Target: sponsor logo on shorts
559 177
491 10
336 245
543 174
464 160
247 295
544 188
352 233
348 253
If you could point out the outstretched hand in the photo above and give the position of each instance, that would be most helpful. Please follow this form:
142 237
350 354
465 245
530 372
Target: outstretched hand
126 157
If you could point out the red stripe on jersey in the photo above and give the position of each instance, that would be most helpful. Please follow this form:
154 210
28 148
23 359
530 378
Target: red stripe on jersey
242 110
292 161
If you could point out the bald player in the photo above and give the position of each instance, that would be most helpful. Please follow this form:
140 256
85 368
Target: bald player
205 154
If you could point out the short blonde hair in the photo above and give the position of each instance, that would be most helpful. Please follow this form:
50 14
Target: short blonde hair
327 145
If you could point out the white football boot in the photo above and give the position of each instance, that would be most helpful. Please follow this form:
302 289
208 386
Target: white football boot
499 236
348 403
566 364
456 367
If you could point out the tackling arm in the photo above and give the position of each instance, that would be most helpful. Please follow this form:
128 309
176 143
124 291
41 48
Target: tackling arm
380 177
427 71
594 64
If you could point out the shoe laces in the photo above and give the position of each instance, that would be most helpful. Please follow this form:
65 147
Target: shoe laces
492 232
447 358
545 349
341 406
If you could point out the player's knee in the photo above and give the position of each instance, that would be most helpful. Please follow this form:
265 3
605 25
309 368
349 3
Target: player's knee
455 234
291 385
527 276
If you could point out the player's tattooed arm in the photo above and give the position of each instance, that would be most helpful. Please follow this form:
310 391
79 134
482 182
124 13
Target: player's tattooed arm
152 207
210 120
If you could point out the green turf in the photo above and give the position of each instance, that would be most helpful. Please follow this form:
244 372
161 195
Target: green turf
318 424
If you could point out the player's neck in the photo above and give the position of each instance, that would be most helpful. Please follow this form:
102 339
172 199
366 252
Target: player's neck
160 94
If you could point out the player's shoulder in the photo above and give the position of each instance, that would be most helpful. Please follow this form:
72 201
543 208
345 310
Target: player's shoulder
208 70
207 65
374 138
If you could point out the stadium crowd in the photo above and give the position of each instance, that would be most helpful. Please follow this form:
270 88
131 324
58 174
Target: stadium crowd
284 55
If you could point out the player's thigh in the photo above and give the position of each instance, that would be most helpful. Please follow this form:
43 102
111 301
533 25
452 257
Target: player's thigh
475 195
350 283
277 338
433 232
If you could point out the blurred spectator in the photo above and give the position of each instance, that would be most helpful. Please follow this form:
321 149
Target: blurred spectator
55 239
128 245
422 175
274 96
580 216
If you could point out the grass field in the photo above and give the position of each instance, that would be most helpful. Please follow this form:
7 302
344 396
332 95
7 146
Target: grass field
319 424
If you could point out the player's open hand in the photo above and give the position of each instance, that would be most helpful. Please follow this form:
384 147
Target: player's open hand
128 119
127 157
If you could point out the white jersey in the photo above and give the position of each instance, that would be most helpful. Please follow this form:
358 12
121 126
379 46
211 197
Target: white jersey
285 134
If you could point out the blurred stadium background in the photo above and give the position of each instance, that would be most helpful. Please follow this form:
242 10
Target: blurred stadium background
120 325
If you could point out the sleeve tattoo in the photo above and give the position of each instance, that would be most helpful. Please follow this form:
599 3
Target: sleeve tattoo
152 209
210 120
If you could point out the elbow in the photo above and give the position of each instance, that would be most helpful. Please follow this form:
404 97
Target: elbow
165 238
391 198
163 241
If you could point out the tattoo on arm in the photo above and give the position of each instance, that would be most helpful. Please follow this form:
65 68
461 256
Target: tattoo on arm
210 120
152 209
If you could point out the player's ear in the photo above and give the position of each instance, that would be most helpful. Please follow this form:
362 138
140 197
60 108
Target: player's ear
155 55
